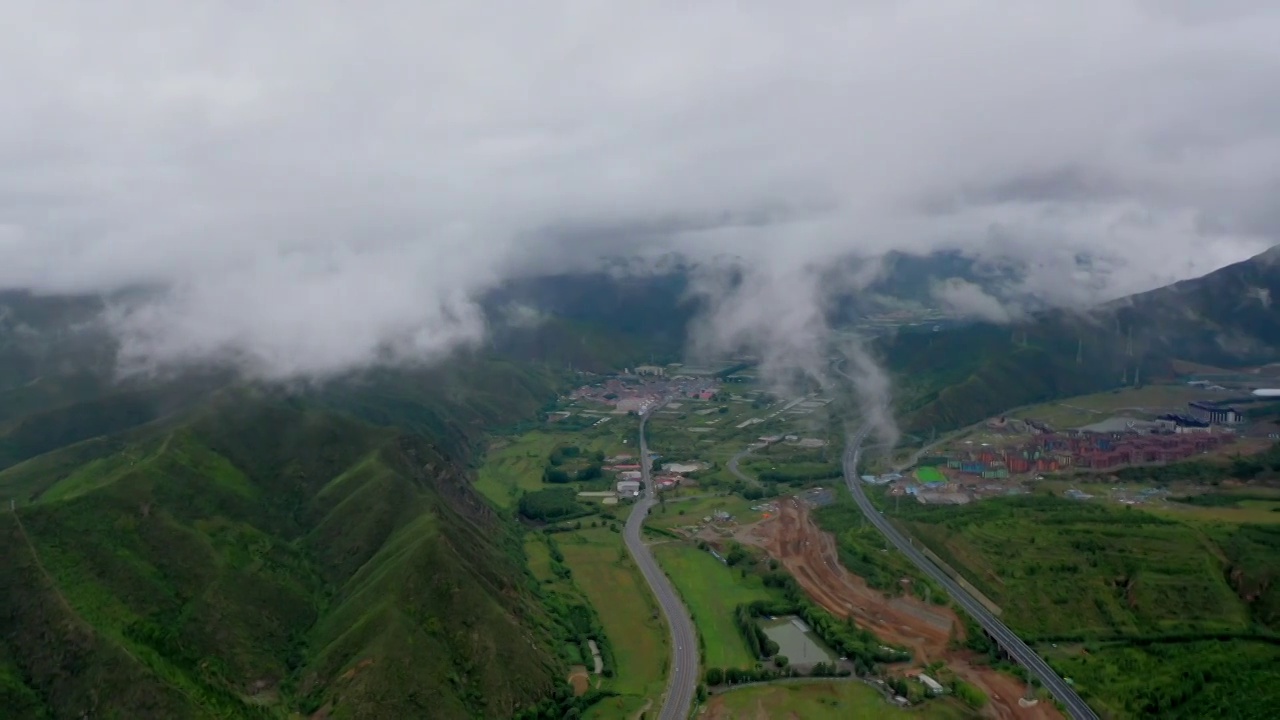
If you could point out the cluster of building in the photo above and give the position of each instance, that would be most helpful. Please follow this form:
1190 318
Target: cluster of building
1054 452
630 477
630 395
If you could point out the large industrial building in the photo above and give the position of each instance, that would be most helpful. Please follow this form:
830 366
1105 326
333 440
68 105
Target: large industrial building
1215 413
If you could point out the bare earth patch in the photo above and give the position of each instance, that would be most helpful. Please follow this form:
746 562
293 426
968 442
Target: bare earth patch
810 555
579 679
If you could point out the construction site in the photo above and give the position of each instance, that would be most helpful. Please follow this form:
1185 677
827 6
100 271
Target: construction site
790 536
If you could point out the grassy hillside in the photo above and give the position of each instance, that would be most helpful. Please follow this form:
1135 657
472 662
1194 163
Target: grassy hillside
266 555
1153 614
956 377
951 379
1086 570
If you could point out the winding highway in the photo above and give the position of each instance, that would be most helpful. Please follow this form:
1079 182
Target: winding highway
1007 640
683 680
733 467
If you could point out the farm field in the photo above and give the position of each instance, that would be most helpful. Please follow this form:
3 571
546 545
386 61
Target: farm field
514 465
822 701
615 588
680 512
712 591
710 431
1085 569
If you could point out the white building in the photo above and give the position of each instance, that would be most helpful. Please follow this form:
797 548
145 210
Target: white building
628 487
681 468
931 684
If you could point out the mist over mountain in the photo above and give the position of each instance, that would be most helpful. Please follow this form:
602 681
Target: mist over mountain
272 273
953 378
302 206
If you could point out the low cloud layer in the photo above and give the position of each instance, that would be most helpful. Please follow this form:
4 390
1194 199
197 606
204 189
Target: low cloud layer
968 300
318 186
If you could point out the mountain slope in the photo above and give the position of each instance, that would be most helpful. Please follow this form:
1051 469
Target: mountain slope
959 376
266 554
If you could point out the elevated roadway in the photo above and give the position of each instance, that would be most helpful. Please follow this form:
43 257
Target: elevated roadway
1004 637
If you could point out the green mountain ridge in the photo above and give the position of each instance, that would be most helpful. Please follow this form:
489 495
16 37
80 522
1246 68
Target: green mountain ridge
263 554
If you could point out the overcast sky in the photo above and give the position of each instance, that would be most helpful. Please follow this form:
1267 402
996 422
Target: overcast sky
316 181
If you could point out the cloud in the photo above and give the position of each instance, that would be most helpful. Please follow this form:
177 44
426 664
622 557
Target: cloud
969 300
316 186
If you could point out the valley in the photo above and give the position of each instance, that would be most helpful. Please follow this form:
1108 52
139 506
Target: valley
725 552
717 534
205 547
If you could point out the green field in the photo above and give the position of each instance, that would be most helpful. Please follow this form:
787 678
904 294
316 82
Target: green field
1085 569
865 552
679 512
514 465
1211 679
712 591
631 619
1178 611
822 701
930 475
1259 512
1147 401
718 437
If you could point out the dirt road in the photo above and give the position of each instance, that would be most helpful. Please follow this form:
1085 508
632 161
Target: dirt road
810 555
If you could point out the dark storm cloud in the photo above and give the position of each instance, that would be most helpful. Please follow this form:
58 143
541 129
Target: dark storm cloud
321 185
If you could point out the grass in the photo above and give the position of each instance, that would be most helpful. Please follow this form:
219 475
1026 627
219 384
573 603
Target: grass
671 433
1084 569
1259 512
865 552
628 612
678 512
1210 679
930 475
514 465
539 558
1089 570
258 559
1147 401
712 591
823 701
620 707
1177 611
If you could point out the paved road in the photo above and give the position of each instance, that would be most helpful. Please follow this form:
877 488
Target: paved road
1009 642
733 468
683 681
